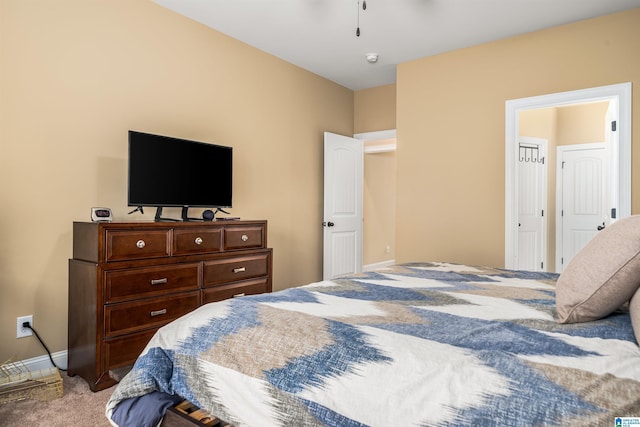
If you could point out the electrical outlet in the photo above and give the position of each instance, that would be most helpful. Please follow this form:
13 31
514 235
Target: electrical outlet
22 331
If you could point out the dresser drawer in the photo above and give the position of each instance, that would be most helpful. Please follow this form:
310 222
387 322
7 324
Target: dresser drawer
134 244
136 316
197 240
123 351
122 285
235 269
250 287
243 237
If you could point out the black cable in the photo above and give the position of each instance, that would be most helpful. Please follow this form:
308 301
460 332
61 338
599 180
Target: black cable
27 325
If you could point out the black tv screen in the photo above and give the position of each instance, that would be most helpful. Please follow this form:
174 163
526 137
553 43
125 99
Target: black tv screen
167 171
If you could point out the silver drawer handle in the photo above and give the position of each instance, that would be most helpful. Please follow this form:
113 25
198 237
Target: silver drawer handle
141 244
239 270
198 240
159 281
158 312
244 237
239 295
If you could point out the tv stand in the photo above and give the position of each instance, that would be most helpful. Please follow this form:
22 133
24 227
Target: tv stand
185 215
159 217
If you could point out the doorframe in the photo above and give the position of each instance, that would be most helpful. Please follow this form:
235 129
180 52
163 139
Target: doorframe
560 193
386 136
620 92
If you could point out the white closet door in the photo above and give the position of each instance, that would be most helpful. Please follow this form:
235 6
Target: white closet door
532 204
584 196
343 183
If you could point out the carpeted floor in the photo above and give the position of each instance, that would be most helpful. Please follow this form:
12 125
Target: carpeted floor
78 407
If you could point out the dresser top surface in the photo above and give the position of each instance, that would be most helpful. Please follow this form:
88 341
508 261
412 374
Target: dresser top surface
167 224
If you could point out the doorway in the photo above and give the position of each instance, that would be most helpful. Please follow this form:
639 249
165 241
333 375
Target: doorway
379 199
344 251
620 166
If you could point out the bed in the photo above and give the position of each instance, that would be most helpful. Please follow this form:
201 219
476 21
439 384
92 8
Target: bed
417 344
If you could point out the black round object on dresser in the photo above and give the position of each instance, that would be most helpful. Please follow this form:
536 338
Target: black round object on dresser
208 215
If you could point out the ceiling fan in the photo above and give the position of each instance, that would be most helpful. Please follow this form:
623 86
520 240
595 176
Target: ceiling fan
364 7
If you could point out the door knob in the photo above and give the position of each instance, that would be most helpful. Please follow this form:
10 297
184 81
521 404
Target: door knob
601 227
330 224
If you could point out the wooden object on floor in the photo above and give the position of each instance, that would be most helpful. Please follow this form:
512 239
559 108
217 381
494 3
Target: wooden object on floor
186 414
128 279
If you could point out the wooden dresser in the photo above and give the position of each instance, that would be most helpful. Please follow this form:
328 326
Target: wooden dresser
128 279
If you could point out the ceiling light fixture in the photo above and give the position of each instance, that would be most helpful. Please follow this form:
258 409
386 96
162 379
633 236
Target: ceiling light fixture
372 58
364 7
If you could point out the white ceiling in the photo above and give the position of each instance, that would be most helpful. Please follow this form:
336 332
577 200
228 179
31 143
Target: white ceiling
320 35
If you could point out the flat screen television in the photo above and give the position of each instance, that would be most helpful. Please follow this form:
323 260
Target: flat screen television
173 172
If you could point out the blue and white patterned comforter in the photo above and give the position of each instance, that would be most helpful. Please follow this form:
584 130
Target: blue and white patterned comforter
423 344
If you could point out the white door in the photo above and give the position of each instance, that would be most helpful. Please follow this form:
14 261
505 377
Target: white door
582 197
532 204
342 223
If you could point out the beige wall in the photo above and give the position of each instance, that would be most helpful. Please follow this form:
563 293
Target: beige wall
450 121
75 75
582 124
375 109
379 208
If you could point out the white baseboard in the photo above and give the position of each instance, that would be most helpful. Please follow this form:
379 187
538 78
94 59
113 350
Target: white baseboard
43 362
378 265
